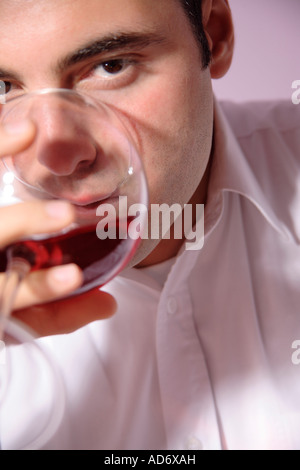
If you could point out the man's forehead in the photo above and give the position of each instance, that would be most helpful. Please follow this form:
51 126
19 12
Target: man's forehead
44 33
65 14
114 6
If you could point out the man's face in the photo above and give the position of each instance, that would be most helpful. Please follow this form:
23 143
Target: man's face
149 70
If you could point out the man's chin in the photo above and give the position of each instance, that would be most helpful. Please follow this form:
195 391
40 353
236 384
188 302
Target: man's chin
153 252
142 257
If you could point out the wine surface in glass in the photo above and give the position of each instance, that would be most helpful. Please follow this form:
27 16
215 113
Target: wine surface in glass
99 259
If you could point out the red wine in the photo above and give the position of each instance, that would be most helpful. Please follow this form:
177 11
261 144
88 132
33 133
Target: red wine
98 259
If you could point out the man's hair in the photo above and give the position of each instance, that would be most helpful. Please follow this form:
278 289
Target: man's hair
193 9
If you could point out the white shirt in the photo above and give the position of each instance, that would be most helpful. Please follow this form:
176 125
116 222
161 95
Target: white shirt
204 359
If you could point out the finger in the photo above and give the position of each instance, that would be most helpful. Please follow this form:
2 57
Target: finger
17 137
47 285
68 315
34 217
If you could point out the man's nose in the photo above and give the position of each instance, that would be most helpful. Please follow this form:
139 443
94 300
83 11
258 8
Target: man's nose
63 143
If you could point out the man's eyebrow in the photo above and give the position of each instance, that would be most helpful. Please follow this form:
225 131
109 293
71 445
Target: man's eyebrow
120 41
7 74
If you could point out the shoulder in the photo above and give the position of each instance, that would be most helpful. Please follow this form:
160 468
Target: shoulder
247 119
268 134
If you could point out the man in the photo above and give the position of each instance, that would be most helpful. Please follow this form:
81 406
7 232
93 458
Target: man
198 354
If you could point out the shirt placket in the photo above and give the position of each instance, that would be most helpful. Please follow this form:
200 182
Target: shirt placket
189 411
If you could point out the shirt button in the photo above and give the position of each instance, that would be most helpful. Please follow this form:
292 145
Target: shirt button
193 443
172 305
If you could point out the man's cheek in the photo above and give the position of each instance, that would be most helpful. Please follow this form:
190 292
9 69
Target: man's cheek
158 100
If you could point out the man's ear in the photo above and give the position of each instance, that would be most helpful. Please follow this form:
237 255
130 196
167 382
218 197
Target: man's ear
218 27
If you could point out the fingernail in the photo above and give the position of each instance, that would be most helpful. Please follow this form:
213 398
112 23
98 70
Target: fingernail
67 274
19 127
58 209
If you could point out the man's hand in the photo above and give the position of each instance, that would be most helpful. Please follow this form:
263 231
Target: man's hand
68 315
36 303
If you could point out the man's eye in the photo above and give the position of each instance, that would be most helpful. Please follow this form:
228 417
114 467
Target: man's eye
5 87
9 91
111 67
110 74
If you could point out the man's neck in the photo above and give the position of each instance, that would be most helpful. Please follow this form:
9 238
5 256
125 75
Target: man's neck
168 248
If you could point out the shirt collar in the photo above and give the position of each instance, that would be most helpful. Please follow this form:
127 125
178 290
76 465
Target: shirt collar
231 172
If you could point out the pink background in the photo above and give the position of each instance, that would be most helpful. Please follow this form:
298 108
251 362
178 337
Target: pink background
267 51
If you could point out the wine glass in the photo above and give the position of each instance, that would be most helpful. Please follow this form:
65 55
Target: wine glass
83 152
30 410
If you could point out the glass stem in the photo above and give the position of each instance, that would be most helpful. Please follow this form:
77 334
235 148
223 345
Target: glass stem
16 270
